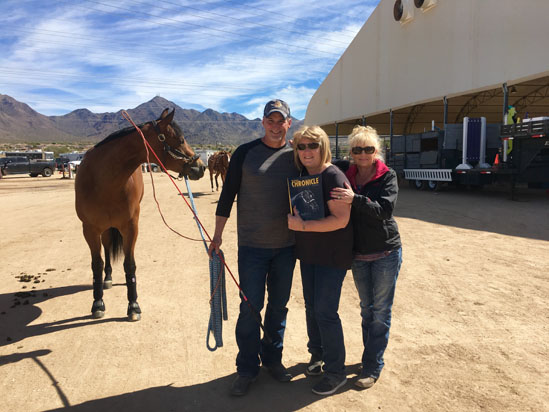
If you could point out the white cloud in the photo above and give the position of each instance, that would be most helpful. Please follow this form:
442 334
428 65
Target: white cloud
70 56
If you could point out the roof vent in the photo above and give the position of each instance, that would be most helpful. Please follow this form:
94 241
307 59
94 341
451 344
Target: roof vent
403 11
425 5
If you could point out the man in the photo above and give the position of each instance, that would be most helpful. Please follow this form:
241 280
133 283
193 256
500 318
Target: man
258 173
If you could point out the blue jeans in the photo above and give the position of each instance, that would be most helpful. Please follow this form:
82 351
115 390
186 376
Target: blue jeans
257 267
321 291
376 283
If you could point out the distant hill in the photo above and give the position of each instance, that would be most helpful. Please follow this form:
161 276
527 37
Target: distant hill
20 123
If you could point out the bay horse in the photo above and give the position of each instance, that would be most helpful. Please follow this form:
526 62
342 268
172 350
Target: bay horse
218 164
109 189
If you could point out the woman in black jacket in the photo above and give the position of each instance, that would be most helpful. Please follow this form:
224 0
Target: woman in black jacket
377 248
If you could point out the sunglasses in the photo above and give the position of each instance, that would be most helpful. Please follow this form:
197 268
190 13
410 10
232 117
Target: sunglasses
358 150
312 146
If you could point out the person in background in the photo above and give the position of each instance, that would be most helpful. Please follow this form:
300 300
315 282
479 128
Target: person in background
512 118
324 248
512 115
377 246
258 172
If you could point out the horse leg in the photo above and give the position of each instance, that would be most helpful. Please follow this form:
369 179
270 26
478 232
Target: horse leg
106 240
211 180
93 238
129 236
216 184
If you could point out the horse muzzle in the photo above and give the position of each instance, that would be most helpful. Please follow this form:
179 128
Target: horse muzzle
195 171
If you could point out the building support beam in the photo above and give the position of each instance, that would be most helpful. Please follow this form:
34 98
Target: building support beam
337 143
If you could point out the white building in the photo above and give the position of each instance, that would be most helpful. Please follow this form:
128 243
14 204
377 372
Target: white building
443 60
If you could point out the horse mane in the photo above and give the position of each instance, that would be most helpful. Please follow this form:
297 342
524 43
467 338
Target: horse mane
119 133
127 130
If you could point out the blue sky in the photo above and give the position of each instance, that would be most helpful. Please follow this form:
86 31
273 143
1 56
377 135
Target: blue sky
230 56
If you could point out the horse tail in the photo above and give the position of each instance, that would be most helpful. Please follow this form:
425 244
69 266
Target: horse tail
116 243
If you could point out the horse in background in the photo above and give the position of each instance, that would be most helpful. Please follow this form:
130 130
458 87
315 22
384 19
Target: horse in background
109 189
218 164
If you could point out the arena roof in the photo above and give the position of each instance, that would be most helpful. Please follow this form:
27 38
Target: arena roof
463 51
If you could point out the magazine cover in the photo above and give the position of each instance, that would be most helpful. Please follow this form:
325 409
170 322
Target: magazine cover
305 193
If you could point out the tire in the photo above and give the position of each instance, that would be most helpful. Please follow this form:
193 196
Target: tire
47 172
419 184
433 185
155 169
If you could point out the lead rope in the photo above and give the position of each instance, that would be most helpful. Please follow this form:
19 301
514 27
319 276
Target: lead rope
218 302
218 293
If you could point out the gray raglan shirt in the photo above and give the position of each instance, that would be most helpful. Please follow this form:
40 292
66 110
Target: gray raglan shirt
258 174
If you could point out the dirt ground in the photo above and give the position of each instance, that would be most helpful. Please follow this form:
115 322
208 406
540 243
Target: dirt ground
470 322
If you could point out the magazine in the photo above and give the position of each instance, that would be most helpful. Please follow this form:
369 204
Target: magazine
305 193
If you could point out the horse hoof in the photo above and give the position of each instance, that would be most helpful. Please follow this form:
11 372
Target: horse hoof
98 309
134 317
134 312
98 314
107 284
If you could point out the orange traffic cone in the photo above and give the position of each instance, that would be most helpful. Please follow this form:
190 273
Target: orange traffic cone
496 160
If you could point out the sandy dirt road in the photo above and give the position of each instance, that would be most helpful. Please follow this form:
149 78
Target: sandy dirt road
470 323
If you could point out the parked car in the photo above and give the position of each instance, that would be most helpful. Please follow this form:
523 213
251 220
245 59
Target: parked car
5 160
19 164
10 159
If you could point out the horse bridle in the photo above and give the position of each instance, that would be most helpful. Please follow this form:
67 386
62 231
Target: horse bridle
176 154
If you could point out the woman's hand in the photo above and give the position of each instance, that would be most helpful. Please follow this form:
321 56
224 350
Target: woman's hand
295 222
343 195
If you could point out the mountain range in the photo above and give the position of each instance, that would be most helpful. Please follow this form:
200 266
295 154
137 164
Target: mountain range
20 123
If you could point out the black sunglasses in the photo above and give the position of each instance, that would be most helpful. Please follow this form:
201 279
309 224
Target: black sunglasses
358 150
312 146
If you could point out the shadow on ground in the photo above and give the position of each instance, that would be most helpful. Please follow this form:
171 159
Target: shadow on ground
196 194
264 394
487 210
16 319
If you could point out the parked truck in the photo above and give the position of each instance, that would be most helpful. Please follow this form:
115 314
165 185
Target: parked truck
474 154
20 164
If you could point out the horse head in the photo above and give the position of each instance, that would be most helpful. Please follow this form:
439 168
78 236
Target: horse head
178 155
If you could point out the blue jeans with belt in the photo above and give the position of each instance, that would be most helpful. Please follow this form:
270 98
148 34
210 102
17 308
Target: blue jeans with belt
321 291
376 282
258 267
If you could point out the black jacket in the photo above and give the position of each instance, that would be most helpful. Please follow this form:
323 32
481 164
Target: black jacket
375 229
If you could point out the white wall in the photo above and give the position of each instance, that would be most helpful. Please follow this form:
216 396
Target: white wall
457 47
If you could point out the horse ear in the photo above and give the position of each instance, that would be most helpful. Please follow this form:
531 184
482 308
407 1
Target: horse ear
167 115
164 113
